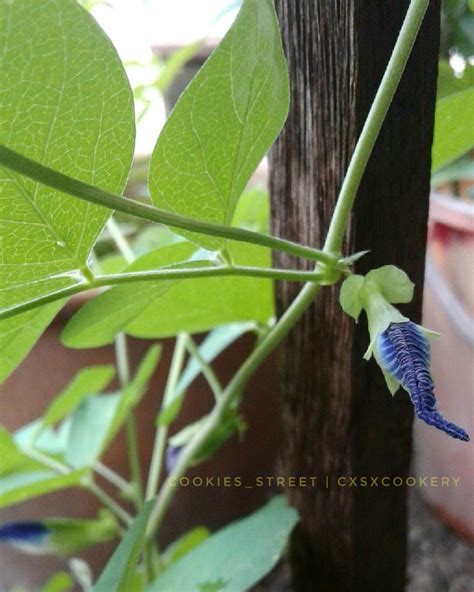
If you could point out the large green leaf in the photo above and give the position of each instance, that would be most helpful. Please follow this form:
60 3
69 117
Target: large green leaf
237 556
454 125
65 102
223 123
119 572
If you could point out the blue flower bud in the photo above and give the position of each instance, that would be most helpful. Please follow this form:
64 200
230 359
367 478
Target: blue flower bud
31 537
172 455
404 353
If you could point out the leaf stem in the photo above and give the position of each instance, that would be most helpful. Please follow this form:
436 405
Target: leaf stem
162 431
206 369
365 144
64 469
110 503
47 176
102 281
112 477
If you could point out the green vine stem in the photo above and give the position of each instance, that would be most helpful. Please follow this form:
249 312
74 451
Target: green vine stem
121 354
47 176
327 276
64 469
333 243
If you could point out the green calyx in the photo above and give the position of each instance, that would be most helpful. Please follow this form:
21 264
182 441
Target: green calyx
375 293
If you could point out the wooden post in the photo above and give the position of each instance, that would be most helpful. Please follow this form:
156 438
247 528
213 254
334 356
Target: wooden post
339 418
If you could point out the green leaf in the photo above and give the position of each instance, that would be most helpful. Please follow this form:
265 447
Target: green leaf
215 343
60 582
237 556
66 103
12 459
99 320
253 211
48 440
461 169
19 334
86 382
197 305
96 421
449 83
89 427
186 543
223 123
229 424
19 487
454 122
119 572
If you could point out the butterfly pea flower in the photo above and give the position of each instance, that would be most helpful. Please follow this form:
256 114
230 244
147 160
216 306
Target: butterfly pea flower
404 352
399 346
59 536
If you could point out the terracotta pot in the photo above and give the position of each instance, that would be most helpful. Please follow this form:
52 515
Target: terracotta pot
449 309
49 367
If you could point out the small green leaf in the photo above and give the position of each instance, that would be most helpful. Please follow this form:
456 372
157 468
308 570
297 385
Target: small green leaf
237 556
60 582
223 123
349 296
96 421
19 487
229 424
454 122
119 572
49 440
86 382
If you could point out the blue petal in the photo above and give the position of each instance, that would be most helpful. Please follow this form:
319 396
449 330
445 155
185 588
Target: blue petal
172 455
405 353
24 532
